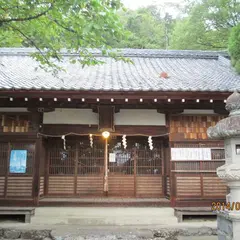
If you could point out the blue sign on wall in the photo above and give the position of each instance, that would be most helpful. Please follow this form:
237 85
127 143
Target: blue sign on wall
18 161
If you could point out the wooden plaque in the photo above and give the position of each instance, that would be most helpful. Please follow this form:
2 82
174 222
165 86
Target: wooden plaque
106 118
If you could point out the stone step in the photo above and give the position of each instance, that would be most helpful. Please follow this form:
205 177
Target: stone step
197 238
103 216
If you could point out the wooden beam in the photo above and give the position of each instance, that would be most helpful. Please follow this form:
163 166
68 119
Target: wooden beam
62 129
41 109
221 111
18 137
114 94
49 105
171 110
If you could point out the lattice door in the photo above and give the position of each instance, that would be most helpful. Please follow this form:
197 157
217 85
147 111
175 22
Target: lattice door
78 170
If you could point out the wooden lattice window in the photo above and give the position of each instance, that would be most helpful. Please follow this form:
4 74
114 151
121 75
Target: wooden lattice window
78 158
124 158
147 161
61 162
218 154
15 122
150 161
90 160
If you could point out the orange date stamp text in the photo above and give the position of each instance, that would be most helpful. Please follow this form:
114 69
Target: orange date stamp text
222 206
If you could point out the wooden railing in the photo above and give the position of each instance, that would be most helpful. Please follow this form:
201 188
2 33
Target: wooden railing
196 166
197 180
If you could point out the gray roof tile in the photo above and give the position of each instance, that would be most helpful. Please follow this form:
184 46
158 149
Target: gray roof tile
187 70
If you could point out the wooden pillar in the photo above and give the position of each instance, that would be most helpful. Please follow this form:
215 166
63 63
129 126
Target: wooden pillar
37 118
201 178
135 171
7 170
173 183
163 170
76 168
105 190
46 169
36 176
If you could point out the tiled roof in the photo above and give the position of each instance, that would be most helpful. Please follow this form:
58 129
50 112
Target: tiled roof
187 71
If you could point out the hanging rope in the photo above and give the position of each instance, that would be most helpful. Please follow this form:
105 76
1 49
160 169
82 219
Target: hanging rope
88 134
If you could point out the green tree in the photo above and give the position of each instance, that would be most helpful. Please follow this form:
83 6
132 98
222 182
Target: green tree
207 25
234 47
51 25
145 29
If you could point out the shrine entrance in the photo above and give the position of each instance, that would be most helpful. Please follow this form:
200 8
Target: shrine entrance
134 171
137 170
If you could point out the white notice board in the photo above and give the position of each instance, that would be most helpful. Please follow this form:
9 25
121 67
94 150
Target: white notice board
112 157
191 154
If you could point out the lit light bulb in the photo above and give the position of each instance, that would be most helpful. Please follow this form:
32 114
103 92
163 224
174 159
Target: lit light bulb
105 134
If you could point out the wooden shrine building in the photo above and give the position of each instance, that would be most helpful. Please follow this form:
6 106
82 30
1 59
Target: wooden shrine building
155 111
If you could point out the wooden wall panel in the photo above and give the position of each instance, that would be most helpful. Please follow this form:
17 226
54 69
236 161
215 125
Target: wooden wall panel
41 191
2 185
12 122
62 185
90 185
121 185
188 186
191 127
214 186
149 186
19 186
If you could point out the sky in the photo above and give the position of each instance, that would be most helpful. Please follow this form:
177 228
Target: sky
133 4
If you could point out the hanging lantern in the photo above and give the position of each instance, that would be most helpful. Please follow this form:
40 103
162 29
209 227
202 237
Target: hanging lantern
64 142
124 141
91 140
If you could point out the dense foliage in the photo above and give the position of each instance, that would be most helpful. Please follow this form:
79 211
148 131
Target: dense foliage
55 24
146 29
234 47
207 25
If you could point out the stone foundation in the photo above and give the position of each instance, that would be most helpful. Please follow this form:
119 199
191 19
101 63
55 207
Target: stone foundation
8 233
224 227
160 234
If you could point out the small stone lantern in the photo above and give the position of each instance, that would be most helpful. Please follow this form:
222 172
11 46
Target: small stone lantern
229 130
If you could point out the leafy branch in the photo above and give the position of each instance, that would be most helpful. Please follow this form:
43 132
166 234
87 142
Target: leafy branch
2 20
